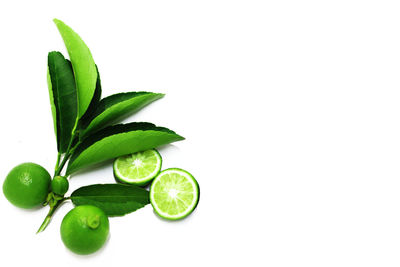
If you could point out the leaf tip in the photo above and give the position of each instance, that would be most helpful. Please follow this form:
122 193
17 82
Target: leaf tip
180 137
61 25
57 21
54 53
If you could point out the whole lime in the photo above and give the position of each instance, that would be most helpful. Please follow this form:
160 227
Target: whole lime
27 185
59 185
84 229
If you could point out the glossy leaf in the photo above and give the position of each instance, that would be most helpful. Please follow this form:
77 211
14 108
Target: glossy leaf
116 107
63 100
93 104
52 104
82 64
118 140
113 199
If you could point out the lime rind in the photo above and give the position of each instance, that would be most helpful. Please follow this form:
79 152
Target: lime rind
138 168
185 194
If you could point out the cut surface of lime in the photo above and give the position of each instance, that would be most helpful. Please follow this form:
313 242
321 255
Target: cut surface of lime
138 168
174 194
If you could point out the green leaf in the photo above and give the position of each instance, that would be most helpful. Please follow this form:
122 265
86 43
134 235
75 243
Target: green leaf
63 100
93 104
113 199
83 65
52 104
118 140
116 107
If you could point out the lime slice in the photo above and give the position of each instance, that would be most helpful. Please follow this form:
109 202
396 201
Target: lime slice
174 194
138 168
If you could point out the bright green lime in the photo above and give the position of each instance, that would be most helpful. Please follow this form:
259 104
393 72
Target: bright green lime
138 168
59 185
174 194
27 185
84 230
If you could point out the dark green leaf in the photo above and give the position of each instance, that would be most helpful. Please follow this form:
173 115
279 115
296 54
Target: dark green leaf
113 199
63 99
116 107
118 140
83 65
94 103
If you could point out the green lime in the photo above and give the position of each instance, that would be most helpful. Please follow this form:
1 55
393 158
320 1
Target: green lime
138 168
84 230
59 185
27 185
174 194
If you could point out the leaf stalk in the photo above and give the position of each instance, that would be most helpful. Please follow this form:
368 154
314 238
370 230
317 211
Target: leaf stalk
58 161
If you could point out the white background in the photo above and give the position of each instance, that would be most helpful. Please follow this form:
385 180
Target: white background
290 109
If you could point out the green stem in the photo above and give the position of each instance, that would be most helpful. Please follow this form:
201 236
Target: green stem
54 203
66 156
58 161
59 169
49 215
73 149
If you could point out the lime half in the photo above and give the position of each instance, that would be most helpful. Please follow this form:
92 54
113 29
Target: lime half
138 168
174 194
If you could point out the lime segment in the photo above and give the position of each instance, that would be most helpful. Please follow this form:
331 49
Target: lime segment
138 168
174 194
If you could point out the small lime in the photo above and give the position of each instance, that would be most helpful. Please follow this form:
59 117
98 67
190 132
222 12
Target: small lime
59 185
27 185
84 230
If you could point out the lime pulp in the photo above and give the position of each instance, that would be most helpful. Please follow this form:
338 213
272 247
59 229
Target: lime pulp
174 194
138 168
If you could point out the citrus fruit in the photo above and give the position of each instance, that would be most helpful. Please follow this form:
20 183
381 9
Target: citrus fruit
84 229
138 168
59 185
174 194
27 185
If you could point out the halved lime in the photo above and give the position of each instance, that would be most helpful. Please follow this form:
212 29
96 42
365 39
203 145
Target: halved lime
174 194
138 168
